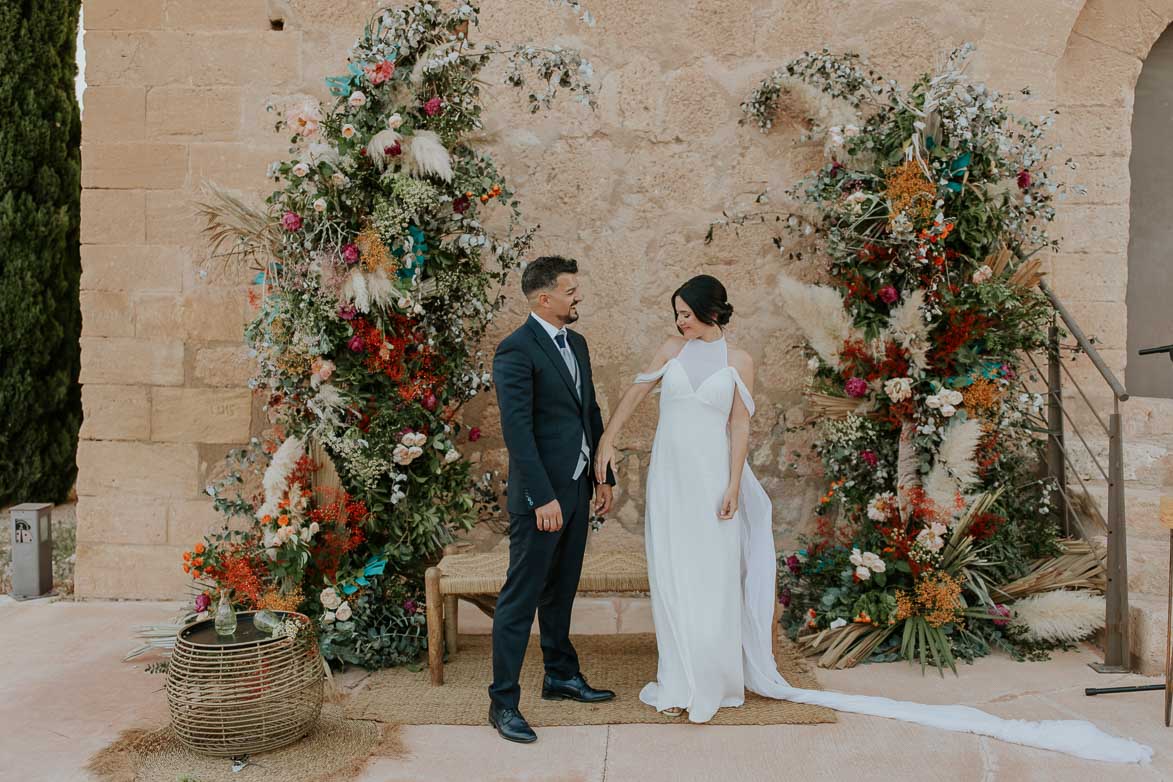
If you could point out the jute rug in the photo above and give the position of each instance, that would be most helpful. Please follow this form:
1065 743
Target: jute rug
624 663
334 751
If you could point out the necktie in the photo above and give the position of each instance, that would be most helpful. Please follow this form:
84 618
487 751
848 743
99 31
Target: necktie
584 456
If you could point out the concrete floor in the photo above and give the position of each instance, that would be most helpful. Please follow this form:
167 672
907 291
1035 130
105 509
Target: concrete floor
64 694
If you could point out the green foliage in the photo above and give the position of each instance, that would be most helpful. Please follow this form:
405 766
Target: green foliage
40 265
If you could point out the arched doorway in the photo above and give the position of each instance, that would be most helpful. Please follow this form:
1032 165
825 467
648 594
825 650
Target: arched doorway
1150 239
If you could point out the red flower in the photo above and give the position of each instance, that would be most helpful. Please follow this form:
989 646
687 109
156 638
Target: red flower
430 401
856 387
474 434
355 343
291 221
433 107
1023 179
889 295
869 458
461 204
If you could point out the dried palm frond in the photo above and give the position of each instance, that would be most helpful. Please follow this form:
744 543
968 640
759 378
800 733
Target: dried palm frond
819 312
835 407
843 647
324 481
955 468
1028 275
999 260
1080 566
237 232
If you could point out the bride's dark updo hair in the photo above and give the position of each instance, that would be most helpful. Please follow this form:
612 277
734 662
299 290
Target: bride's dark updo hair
706 297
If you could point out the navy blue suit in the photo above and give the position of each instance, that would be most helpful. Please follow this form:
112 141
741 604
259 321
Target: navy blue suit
543 419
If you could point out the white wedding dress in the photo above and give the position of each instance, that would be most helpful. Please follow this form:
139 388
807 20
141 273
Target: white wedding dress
713 581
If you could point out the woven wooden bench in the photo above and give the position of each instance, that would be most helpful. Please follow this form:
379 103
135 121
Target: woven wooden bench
478 578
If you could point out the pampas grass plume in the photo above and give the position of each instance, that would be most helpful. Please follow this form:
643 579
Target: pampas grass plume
1063 615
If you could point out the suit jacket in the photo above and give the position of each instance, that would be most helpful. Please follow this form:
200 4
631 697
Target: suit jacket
542 417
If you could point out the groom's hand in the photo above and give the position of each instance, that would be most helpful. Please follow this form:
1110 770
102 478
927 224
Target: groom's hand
549 516
602 498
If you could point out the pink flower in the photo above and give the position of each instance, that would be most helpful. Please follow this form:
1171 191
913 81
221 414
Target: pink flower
474 434
433 107
784 598
291 221
1023 179
322 368
430 401
202 602
794 564
889 295
377 74
999 610
350 253
304 118
409 606
347 312
869 458
856 387
356 344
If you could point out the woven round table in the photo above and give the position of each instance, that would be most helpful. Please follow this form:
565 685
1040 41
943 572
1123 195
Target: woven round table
244 693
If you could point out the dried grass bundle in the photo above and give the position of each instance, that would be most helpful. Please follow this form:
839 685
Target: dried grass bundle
843 647
1060 616
1028 274
834 408
236 232
1080 566
819 313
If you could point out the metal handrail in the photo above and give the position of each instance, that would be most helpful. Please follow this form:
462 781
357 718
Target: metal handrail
1117 387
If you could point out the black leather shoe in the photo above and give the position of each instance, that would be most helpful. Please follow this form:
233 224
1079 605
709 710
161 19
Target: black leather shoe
574 688
511 725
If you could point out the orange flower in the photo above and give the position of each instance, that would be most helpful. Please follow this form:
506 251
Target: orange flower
266 519
195 573
200 548
198 562
186 568
306 492
187 556
282 520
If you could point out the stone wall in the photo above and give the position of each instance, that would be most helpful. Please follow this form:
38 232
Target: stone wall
177 95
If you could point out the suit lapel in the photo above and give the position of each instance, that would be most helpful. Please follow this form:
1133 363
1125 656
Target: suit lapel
551 350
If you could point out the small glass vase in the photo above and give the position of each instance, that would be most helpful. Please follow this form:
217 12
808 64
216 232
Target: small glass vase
225 616
266 621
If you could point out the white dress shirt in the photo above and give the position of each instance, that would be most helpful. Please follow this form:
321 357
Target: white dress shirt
571 364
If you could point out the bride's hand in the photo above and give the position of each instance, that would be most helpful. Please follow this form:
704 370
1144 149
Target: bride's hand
729 503
604 458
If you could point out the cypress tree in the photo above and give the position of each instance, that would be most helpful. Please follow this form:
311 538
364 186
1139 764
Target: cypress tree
40 263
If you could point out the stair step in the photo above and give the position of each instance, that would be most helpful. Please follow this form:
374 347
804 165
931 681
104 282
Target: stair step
1142 508
1148 632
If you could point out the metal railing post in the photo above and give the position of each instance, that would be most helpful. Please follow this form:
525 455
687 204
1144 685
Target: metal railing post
1056 467
1117 653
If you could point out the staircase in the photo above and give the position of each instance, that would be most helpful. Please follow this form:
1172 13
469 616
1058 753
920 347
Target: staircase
1110 454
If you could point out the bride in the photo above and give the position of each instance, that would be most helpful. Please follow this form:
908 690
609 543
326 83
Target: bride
710 547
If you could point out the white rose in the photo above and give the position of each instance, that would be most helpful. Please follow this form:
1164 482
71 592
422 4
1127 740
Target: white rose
898 389
813 364
415 452
348 131
856 557
330 598
343 612
933 402
339 179
863 573
328 618
419 438
954 398
401 455
394 121
357 99
836 624
301 169
320 205
948 410
451 456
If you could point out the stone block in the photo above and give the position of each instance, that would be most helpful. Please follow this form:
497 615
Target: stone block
694 105
233 165
147 166
131 267
215 314
115 412
189 520
1130 26
122 519
1093 130
1102 278
1040 25
130 571
226 15
1094 74
211 59
1093 229
1009 69
146 469
200 415
106 314
224 365
1107 179
175 113
122 360
159 316
171 218
123 15
113 216
115 114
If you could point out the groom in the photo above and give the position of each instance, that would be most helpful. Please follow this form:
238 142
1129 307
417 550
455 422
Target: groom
552 424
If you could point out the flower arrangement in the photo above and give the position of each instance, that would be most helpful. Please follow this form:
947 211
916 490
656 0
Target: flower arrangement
376 276
930 209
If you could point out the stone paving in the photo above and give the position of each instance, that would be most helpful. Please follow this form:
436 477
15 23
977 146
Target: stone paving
64 694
